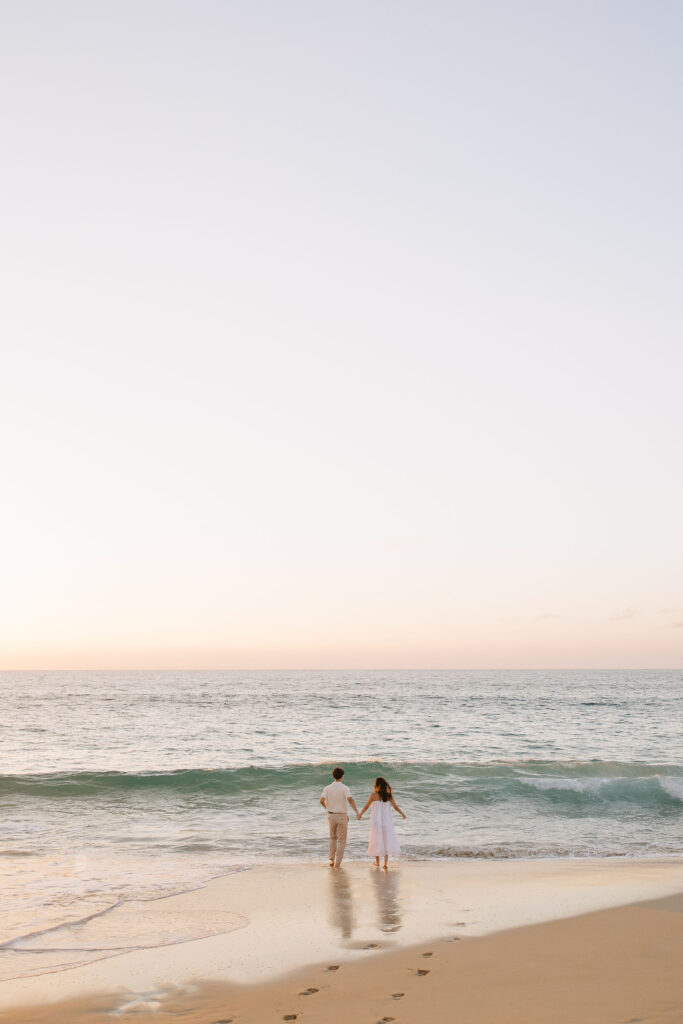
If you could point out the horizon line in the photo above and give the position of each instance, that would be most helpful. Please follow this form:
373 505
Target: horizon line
417 668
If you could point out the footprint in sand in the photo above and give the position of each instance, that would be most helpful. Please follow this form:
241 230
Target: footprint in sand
334 967
427 954
397 995
226 1020
290 1016
455 938
421 972
385 1020
372 945
308 991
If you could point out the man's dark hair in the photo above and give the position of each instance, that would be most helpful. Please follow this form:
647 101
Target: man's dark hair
338 774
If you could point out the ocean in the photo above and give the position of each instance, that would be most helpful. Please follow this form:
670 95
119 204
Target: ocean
124 786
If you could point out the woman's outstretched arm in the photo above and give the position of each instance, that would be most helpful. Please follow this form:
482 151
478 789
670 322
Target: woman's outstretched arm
396 807
371 799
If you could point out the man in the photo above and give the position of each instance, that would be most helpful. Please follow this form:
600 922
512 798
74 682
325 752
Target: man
334 799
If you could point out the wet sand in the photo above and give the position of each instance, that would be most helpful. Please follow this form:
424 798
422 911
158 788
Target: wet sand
371 956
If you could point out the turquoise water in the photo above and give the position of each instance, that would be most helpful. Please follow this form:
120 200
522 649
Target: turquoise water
122 785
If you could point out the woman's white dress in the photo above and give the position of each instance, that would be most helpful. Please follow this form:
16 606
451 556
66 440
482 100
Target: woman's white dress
383 839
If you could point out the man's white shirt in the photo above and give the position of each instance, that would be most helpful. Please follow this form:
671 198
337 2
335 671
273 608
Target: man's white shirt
335 796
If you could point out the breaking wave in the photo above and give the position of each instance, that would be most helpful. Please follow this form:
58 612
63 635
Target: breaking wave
605 783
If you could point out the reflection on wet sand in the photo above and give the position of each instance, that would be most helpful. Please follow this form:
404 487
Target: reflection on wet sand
387 892
341 902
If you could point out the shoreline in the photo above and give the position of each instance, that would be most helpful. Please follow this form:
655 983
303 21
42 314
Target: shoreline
255 929
620 964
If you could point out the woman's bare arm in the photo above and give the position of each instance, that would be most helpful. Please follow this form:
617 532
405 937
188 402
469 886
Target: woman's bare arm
396 807
371 800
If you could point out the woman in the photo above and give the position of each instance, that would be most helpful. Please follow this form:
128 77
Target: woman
383 839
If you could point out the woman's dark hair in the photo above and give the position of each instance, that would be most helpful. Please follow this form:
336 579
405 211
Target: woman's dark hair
383 788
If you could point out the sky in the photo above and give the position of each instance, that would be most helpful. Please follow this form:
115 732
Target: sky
341 335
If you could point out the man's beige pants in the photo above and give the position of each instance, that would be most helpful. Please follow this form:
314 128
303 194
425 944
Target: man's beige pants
338 825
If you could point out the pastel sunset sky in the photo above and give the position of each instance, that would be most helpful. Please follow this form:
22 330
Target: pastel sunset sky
341 335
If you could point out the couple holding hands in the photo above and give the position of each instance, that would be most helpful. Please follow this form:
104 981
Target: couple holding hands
383 839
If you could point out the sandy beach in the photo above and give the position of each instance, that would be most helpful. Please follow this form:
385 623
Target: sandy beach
594 940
